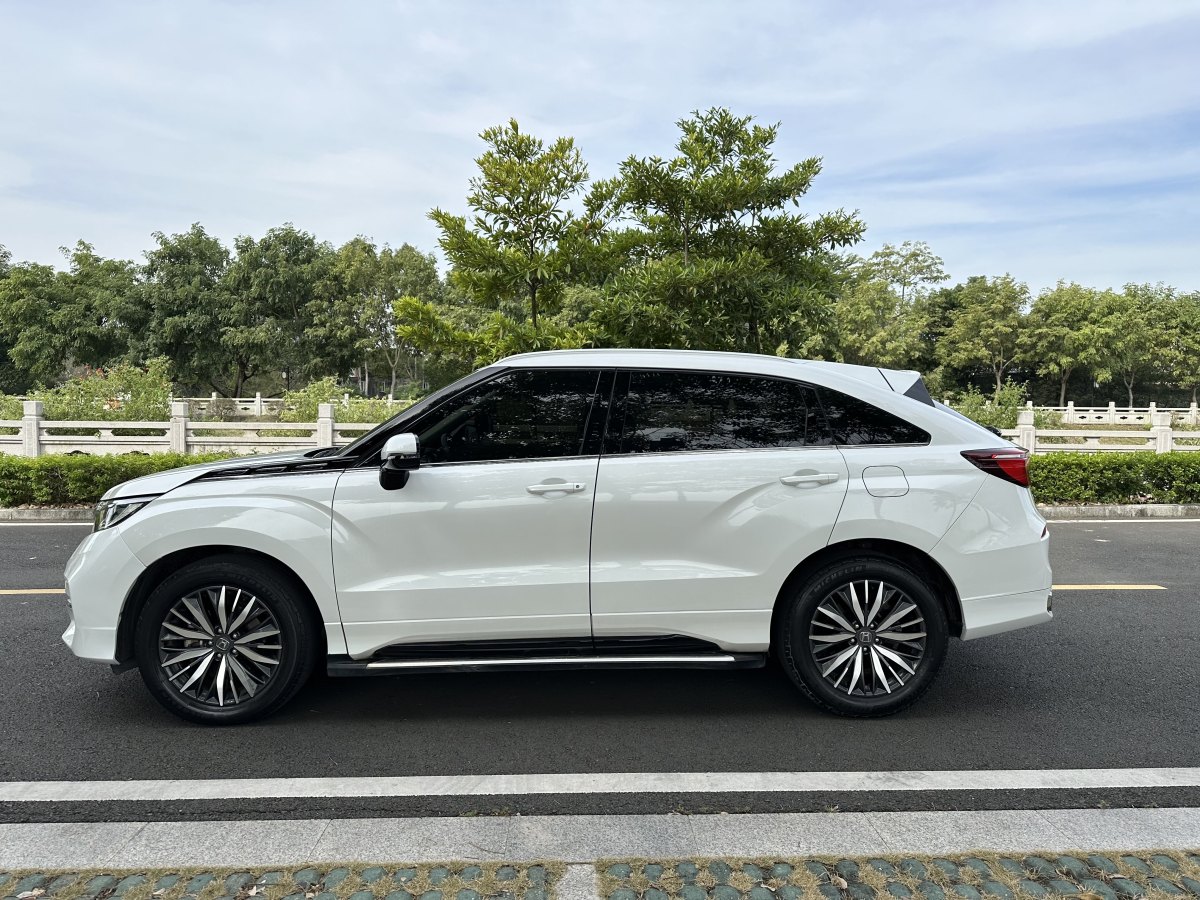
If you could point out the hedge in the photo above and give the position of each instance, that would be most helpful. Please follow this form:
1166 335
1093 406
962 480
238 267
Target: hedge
78 480
1116 477
1056 478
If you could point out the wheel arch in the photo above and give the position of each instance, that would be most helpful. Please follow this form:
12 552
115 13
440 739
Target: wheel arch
896 551
163 566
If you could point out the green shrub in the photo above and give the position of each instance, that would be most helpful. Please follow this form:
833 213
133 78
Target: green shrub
123 393
10 410
77 480
1116 477
1003 411
301 405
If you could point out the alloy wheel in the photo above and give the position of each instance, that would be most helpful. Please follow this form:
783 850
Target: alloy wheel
867 638
219 645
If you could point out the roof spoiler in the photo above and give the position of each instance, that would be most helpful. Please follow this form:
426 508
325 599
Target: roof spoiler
902 381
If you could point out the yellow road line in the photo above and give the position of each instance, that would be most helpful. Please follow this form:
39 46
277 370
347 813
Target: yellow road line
11 593
1109 587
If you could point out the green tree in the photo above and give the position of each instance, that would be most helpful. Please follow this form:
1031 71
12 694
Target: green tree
185 299
37 321
1135 320
878 315
716 257
280 317
1065 332
1181 353
986 330
518 250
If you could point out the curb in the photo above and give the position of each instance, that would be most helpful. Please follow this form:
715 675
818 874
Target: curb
1122 511
68 515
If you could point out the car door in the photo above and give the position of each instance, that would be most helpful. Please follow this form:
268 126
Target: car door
488 539
711 489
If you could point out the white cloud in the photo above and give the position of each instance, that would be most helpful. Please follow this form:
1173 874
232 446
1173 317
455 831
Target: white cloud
966 124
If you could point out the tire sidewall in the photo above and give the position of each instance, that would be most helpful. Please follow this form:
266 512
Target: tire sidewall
295 626
796 654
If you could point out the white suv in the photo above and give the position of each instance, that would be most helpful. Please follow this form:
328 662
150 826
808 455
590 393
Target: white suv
590 508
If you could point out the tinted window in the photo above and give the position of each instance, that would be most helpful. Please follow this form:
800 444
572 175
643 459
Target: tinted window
674 411
855 421
526 414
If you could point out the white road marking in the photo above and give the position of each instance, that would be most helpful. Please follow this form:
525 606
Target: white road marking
1109 587
30 591
595 783
8 524
1161 520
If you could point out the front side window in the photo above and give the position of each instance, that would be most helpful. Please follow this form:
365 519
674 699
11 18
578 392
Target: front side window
688 411
524 414
855 421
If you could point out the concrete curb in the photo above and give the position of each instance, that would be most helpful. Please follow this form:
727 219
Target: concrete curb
66 515
584 839
83 514
1122 511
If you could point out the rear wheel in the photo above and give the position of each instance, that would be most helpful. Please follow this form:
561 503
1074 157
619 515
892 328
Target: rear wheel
864 637
225 640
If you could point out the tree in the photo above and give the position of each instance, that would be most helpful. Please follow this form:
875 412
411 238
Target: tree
1135 320
185 295
986 330
1064 332
878 319
715 258
1180 349
279 316
517 253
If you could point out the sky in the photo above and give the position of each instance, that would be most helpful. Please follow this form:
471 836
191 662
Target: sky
1050 140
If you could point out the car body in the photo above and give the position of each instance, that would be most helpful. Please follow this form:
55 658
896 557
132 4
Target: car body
590 507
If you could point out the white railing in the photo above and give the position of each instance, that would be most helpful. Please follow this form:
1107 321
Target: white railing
1115 415
35 435
1161 437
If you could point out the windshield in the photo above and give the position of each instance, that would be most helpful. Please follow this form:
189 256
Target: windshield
427 402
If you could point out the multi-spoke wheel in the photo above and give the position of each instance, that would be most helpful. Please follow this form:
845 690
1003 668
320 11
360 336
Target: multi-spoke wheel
864 637
224 641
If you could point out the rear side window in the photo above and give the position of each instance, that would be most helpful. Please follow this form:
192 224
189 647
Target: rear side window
855 421
688 411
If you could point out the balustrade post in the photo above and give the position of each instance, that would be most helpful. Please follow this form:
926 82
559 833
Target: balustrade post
1026 433
1069 416
325 425
32 412
1160 428
1112 413
177 433
258 404
1193 416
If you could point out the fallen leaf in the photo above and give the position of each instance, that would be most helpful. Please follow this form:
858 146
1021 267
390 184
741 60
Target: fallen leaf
839 882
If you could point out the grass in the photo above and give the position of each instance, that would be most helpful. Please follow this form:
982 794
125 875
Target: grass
415 879
809 883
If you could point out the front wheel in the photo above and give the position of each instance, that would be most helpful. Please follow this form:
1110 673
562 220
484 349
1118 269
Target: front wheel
864 637
225 640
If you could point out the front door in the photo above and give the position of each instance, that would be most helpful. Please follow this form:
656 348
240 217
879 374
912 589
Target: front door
713 487
488 540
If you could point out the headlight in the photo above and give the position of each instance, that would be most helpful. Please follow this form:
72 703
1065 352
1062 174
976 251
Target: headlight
110 512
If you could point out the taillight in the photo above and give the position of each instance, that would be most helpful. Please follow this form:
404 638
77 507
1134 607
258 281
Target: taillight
1010 463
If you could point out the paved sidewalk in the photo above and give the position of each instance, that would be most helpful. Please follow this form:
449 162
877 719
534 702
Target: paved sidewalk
584 839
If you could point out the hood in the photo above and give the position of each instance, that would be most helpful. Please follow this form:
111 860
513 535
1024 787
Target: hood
169 479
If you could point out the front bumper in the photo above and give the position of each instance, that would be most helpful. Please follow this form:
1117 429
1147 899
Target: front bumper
100 575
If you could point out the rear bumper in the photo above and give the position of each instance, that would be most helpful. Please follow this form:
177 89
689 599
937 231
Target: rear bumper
986 616
100 575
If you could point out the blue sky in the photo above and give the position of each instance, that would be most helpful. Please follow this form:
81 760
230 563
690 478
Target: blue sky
1046 139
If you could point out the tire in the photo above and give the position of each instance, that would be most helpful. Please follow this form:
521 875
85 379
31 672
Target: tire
824 668
255 662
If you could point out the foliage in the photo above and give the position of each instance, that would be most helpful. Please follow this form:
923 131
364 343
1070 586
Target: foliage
986 332
1065 330
1000 411
302 405
74 480
124 393
715 258
1116 477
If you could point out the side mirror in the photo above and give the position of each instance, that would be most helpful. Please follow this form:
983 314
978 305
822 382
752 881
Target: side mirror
400 456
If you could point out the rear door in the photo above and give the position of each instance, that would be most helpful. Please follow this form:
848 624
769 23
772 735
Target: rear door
711 489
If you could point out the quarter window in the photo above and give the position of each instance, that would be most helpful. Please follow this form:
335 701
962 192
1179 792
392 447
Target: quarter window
681 411
855 421
525 414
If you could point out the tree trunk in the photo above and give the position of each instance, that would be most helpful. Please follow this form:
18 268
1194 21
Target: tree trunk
533 302
1062 388
999 373
392 389
1129 388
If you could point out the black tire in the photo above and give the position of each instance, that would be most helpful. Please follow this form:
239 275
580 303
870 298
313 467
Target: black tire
795 650
299 640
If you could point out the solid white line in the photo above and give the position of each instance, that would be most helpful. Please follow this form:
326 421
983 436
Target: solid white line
595 783
1156 519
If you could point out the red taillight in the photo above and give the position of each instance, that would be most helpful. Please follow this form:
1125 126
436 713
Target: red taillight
1010 463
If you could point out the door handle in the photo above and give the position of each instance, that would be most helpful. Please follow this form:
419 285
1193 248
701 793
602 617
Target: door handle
802 480
562 487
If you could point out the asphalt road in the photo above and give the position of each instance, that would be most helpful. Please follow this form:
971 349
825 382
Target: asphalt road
1110 683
